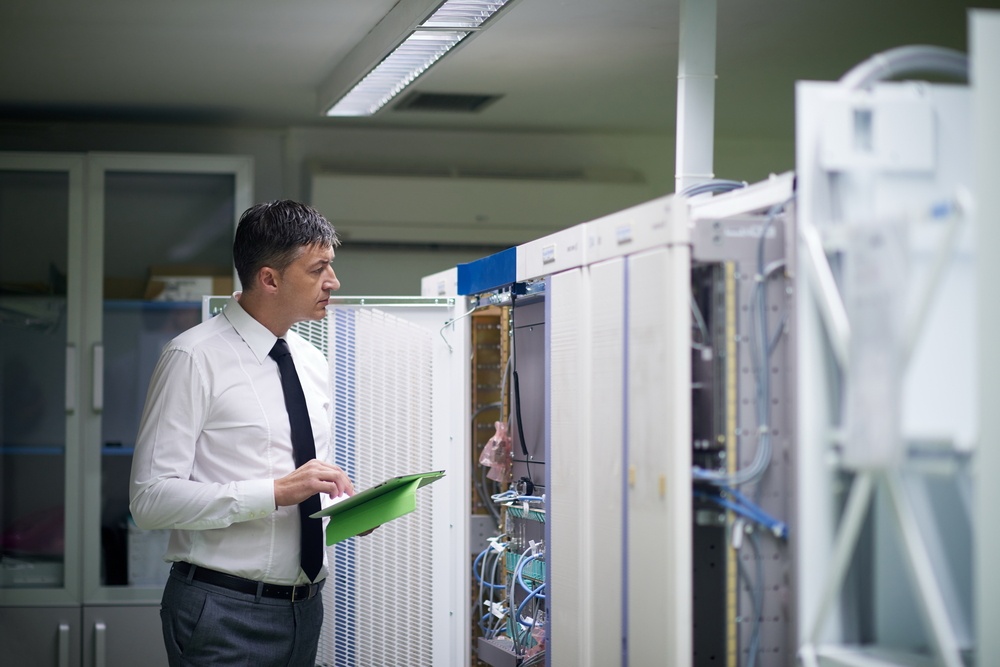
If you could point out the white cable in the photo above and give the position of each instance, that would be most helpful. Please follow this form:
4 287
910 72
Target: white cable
904 60
699 321
451 322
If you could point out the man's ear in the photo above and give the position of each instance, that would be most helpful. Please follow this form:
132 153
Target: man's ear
268 279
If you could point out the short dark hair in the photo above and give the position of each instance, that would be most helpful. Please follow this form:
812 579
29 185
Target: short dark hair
274 234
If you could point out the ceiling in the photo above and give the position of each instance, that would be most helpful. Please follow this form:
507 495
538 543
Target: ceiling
559 65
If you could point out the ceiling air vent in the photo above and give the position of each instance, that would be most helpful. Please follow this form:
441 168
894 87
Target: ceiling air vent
417 101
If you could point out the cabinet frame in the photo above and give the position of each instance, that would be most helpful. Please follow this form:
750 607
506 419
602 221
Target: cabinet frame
74 166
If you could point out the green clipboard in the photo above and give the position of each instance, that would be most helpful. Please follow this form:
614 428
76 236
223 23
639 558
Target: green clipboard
372 507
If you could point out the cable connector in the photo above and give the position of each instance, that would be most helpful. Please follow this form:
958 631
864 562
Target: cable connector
497 545
497 609
737 537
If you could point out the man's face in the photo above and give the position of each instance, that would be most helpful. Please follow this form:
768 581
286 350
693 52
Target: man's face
306 283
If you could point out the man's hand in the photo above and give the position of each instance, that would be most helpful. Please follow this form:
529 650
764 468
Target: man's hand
314 477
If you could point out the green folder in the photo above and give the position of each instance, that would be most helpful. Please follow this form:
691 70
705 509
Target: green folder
372 507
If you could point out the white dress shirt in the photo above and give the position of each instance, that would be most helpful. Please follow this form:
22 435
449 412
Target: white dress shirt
213 438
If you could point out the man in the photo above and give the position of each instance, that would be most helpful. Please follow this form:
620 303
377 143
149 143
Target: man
214 459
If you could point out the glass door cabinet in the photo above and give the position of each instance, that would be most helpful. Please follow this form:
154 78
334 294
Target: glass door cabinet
41 287
82 323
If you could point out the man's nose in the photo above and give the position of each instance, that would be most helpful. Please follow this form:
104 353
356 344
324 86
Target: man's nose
331 281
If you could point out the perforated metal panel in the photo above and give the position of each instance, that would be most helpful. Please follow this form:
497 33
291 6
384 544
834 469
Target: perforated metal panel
314 331
380 600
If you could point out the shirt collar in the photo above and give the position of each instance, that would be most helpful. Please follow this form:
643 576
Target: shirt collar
258 338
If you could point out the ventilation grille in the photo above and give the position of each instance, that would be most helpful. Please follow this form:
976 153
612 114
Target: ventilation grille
314 331
378 596
417 101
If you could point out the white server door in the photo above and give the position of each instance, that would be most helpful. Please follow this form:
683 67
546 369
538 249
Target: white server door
398 373
658 456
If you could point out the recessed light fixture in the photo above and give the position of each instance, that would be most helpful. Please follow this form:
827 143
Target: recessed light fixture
422 46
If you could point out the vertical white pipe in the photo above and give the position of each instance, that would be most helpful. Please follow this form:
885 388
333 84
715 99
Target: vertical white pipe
695 93
984 29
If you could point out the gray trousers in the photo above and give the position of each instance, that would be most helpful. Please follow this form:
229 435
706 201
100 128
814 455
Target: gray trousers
209 626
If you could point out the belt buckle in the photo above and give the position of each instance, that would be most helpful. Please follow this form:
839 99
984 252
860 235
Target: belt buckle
308 592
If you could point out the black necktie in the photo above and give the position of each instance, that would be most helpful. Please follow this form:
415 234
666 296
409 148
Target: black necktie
304 448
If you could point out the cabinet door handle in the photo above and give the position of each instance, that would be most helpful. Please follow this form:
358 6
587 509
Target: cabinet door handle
63 644
100 650
98 373
71 378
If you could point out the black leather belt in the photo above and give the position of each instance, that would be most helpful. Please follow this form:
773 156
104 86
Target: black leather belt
249 586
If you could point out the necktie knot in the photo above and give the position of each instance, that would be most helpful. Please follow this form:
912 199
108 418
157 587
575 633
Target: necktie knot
280 349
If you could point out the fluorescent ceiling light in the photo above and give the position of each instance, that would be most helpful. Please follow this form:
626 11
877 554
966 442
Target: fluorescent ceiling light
410 59
449 24
463 13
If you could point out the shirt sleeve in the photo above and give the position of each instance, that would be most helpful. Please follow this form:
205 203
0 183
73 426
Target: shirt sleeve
162 493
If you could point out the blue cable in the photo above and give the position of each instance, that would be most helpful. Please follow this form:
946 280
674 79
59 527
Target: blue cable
754 507
518 577
519 573
714 186
475 569
510 495
750 511
489 633
527 598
